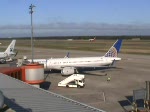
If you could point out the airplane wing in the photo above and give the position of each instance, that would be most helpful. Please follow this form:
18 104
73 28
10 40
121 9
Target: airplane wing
86 66
23 97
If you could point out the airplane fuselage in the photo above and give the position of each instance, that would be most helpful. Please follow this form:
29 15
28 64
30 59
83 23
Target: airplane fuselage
60 63
3 55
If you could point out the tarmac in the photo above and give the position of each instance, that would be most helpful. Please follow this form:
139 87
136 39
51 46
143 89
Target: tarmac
130 74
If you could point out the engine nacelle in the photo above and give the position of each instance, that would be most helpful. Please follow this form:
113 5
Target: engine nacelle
68 71
2 61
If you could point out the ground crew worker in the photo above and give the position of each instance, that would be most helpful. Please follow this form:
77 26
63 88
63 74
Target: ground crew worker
108 79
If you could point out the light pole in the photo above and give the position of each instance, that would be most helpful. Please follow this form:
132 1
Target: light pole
31 11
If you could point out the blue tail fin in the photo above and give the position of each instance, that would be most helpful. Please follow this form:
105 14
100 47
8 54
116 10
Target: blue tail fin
114 50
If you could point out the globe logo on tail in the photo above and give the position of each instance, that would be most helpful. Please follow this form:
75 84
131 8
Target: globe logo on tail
112 52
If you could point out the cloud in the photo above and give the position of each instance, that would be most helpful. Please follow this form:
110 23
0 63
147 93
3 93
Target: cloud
74 29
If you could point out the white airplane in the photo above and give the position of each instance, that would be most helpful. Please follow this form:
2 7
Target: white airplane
91 40
9 52
69 66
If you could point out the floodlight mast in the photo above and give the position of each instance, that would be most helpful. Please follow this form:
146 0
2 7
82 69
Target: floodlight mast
31 12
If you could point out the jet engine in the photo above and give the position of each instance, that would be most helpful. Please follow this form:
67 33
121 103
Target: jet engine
2 61
68 71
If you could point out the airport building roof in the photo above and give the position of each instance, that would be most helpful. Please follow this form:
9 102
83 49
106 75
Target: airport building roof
23 97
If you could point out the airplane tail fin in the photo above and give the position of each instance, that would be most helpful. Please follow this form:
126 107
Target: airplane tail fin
114 50
10 48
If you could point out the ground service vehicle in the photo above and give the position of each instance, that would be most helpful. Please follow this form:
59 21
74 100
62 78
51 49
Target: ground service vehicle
75 80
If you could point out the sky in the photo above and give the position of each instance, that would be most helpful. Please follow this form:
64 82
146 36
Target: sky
74 17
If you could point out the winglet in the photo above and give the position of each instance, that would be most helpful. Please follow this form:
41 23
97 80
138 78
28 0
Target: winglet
114 50
68 55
